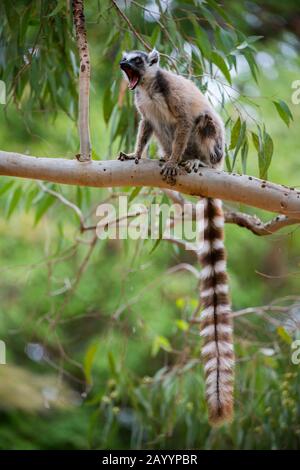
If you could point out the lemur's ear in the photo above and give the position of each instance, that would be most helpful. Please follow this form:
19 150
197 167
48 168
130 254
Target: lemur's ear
153 57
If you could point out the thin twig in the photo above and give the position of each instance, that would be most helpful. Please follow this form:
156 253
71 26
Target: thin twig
132 28
65 202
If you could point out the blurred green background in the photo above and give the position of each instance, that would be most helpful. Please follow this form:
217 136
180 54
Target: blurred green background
100 351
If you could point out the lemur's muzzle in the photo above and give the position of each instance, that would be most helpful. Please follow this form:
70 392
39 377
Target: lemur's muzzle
132 73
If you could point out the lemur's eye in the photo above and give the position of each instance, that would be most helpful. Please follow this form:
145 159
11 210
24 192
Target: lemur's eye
137 60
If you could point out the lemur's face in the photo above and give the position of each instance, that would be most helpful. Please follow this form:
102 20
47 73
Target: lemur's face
136 65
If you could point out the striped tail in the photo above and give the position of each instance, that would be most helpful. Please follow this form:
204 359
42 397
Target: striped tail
216 324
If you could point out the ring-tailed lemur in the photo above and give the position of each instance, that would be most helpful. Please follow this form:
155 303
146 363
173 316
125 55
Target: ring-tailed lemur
190 133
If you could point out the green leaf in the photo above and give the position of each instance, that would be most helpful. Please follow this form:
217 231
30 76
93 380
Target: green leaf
284 334
247 43
11 15
43 206
89 361
180 303
79 196
6 186
251 62
95 155
283 111
227 160
235 133
218 60
240 141
108 105
160 342
203 41
30 197
243 45
220 10
224 40
244 155
134 193
255 140
24 23
112 364
264 146
252 39
182 325
155 36
268 153
161 229
15 198
157 242
209 16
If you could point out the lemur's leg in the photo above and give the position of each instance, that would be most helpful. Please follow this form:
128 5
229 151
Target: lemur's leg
144 133
211 138
182 133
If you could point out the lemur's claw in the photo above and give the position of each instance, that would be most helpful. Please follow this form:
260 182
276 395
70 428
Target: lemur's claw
162 161
169 172
124 156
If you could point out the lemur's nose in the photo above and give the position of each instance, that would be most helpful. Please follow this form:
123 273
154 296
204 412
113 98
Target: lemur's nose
123 62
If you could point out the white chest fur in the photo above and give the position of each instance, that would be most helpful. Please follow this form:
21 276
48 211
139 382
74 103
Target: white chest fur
153 107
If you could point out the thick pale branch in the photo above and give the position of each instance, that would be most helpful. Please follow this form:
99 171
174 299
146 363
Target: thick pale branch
84 81
248 221
112 173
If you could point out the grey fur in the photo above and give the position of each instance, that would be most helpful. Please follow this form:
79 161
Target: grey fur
181 118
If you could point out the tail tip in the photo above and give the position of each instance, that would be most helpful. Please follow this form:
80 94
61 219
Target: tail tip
221 416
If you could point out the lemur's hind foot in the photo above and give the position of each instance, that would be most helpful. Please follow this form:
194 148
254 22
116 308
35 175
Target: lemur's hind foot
130 156
211 138
206 125
217 154
193 165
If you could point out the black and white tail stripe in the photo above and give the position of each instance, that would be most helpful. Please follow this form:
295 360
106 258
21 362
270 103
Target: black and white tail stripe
216 324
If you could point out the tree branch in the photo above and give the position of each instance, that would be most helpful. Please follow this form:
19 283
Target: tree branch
84 81
256 226
131 27
112 173
248 221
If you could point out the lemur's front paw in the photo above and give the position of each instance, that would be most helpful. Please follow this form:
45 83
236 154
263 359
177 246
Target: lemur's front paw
130 156
169 172
216 155
193 165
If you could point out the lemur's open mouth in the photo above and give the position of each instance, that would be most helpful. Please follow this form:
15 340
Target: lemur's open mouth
132 75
